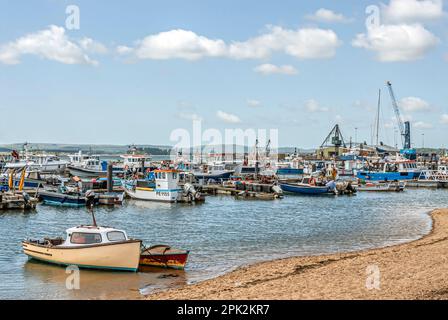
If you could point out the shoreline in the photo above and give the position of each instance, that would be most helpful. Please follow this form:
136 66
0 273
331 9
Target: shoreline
411 270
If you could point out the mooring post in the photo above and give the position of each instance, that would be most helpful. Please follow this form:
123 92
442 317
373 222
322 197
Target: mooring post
110 184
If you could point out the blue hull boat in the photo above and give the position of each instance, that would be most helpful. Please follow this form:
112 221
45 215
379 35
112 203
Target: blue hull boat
29 183
213 176
387 176
289 171
302 188
61 199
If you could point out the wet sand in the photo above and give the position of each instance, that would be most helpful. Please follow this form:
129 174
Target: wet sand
414 270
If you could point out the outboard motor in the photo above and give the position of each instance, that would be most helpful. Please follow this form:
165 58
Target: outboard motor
277 189
189 189
26 197
191 192
90 198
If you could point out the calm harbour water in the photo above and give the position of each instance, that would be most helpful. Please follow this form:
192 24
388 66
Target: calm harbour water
222 234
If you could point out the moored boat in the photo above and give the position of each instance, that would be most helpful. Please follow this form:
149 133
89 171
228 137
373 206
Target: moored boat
162 185
53 197
396 170
86 166
164 256
88 247
304 188
382 187
309 185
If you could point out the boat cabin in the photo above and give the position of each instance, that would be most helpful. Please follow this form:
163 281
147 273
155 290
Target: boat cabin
92 235
166 179
79 158
400 166
132 161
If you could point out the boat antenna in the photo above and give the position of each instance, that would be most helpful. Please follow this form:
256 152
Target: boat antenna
93 216
90 198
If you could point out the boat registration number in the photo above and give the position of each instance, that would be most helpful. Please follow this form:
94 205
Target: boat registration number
163 194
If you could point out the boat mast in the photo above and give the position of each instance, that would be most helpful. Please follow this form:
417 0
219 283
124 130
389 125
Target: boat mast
378 116
256 158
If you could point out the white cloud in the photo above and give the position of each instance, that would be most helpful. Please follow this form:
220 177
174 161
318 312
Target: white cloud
180 44
253 103
92 46
189 116
402 11
339 119
423 125
312 105
124 50
406 117
228 117
308 43
52 44
444 118
401 42
411 104
326 15
268 69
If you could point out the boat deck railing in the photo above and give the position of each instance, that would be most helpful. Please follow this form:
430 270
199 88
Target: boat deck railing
433 175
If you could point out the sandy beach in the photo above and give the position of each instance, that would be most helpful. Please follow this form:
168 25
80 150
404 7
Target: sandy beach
414 270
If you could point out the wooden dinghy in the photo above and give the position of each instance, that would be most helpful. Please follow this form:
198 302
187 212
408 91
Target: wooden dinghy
164 256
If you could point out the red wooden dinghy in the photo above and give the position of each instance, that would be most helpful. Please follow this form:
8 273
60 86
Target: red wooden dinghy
164 256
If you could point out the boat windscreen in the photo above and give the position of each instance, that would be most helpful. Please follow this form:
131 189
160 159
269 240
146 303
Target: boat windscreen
116 236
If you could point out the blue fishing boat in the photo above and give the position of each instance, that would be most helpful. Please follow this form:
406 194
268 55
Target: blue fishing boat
68 196
308 186
213 173
289 171
57 198
391 171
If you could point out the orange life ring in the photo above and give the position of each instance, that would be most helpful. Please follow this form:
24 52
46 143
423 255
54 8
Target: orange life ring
312 182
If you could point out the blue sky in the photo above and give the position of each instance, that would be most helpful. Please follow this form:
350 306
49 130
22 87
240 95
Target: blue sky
136 70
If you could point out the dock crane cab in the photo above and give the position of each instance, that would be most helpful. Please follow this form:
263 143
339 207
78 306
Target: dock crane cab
405 128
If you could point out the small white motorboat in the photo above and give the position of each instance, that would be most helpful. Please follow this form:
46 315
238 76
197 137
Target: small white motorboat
88 247
383 187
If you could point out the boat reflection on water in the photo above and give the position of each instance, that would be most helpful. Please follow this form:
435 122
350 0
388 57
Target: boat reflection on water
153 205
100 284
157 205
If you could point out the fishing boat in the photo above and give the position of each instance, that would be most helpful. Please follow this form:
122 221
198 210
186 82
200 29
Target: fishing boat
164 256
12 199
88 167
307 186
62 197
32 180
216 172
395 170
291 167
47 163
88 247
382 187
134 162
161 185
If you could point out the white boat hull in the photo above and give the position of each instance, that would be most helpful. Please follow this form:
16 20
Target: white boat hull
114 256
154 194
87 173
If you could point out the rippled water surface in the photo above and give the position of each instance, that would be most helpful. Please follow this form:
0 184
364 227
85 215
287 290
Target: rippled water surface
223 233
